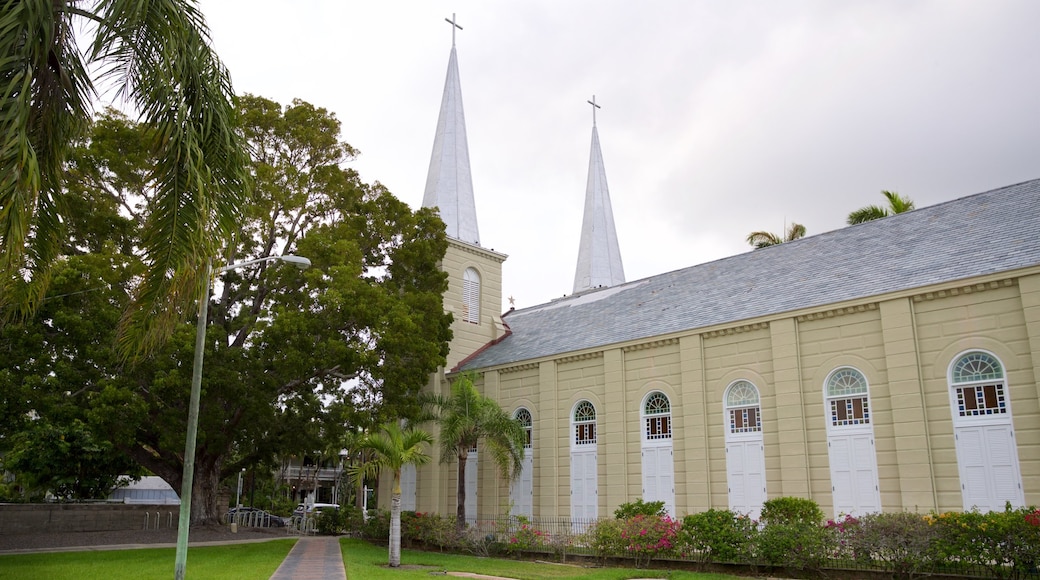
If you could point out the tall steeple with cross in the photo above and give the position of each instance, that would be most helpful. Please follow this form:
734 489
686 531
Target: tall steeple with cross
599 256
449 185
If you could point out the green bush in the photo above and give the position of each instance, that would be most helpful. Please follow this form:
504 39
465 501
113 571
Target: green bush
902 543
797 545
331 522
427 529
604 537
717 536
1005 543
639 508
789 510
377 526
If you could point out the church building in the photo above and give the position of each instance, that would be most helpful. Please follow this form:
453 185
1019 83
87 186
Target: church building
886 366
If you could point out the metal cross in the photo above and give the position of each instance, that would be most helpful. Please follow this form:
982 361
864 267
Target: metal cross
454 25
594 107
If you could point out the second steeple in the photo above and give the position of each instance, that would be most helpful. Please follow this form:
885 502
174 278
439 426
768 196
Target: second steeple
599 257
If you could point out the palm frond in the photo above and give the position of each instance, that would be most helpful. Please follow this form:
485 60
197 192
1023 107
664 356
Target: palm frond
794 232
866 214
159 53
897 203
763 239
44 108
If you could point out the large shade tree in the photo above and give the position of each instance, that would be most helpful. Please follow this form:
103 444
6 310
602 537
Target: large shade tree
363 327
766 239
895 203
467 418
393 447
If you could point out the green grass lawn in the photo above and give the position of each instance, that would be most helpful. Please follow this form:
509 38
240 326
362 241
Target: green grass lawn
367 562
231 562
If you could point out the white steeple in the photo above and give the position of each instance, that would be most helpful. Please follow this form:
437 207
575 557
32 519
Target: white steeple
599 258
449 185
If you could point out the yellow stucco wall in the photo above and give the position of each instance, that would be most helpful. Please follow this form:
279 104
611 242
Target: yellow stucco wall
902 343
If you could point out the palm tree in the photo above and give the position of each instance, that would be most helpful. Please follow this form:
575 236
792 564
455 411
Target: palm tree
158 55
393 448
896 204
468 417
766 239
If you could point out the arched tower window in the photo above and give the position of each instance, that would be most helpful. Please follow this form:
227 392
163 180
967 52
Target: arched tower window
657 417
584 424
471 296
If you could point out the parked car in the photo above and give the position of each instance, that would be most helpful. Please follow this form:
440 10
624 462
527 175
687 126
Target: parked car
256 517
314 509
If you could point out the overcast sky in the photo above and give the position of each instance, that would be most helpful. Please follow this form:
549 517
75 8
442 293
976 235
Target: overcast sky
717 119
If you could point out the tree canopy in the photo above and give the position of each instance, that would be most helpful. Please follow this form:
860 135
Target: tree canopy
362 329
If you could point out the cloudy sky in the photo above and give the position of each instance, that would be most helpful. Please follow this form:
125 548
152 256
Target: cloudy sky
718 118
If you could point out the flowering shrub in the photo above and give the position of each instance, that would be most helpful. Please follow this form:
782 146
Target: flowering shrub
843 528
717 536
1005 543
526 538
641 537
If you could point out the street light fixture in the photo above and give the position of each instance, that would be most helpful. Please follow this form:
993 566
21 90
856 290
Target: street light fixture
181 562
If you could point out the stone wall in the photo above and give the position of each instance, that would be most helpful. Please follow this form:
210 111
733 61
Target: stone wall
61 518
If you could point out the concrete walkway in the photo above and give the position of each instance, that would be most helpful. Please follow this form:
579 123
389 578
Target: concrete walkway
313 558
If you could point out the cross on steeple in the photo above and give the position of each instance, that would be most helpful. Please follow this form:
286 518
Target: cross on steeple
454 25
594 107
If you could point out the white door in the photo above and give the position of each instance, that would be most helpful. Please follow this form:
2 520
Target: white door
408 478
854 477
584 490
472 468
988 467
659 476
746 474
521 491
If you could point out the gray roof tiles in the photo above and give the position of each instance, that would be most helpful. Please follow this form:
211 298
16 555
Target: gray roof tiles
982 234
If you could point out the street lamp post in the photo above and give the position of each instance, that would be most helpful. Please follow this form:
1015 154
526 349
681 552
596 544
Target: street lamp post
181 562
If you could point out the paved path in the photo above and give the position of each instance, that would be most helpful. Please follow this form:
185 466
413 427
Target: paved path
313 558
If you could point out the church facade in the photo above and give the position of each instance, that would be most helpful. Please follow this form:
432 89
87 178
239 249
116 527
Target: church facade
887 366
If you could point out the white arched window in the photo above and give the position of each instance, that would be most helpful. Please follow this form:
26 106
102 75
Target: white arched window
850 443
987 455
584 466
656 451
521 490
657 417
471 296
745 451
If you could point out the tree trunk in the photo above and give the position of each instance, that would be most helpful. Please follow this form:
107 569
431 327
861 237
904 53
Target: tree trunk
460 512
395 528
204 485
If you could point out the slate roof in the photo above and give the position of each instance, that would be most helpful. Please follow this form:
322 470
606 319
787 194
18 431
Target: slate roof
982 234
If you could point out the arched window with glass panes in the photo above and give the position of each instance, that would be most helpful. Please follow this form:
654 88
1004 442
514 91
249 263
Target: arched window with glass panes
987 455
471 296
745 450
